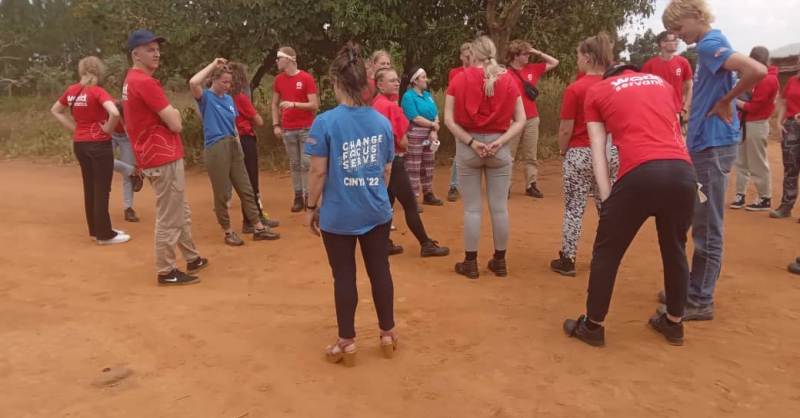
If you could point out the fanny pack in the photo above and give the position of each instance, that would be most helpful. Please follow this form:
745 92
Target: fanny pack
531 92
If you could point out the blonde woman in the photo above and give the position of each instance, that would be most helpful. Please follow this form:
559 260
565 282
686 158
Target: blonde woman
94 117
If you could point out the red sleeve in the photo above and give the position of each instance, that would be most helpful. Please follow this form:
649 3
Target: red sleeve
687 70
785 93
648 67
538 70
277 83
569 106
244 106
450 76
63 98
399 123
312 86
453 83
153 95
591 112
102 95
762 95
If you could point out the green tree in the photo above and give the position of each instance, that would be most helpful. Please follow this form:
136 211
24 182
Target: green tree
691 55
643 48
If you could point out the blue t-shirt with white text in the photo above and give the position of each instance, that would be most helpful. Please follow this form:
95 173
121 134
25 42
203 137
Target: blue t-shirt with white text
711 83
219 116
358 143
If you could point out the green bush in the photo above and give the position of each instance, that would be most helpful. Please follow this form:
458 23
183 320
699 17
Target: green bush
43 79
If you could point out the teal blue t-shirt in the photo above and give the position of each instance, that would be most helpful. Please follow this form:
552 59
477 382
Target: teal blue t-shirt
415 105
219 117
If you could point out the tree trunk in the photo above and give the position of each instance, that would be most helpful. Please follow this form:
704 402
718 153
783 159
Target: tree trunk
502 24
266 66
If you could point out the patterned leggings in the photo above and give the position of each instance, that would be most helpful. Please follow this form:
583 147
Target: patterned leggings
419 160
579 180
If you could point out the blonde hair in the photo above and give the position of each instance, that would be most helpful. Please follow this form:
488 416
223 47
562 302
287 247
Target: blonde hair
91 70
599 48
516 48
483 49
465 46
681 9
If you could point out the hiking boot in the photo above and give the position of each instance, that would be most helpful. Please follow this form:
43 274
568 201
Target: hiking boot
795 267
176 278
692 312
468 268
577 328
533 191
672 332
271 223
232 239
265 235
298 204
783 211
738 201
498 267
762 205
430 199
119 239
137 182
431 248
130 215
563 266
193 267
452 194
395 249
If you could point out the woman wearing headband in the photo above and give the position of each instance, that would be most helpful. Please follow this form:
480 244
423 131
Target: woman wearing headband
223 153
388 85
352 149
480 102
420 109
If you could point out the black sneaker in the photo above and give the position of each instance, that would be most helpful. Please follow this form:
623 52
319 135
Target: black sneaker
738 201
137 182
130 215
452 195
533 191
468 268
395 249
762 204
563 266
692 312
176 278
576 328
432 249
247 228
783 211
265 235
795 267
430 199
193 267
672 333
498 267
298 204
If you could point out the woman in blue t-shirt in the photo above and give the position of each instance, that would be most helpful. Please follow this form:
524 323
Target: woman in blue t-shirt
352 149
421 110
223 153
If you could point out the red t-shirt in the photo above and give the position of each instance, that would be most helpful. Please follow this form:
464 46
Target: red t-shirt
246 114
763 103
152 142
394 113
453 73
295 88
791 93
120 128
88 111
638 110
572 108
478 113
370 91
675 72
531 74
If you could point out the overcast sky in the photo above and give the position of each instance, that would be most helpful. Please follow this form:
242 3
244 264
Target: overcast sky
746 23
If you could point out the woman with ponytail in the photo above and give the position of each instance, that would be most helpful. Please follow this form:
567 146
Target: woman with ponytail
594 56
480 102
423 134
94 117
352 150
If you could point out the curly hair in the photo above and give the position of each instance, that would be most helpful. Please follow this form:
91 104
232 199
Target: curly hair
91 70
239 83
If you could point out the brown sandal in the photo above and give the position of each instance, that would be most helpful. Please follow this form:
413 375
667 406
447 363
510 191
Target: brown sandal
388 347
349 357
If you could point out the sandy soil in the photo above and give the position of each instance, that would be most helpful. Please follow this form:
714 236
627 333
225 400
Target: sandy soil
249 340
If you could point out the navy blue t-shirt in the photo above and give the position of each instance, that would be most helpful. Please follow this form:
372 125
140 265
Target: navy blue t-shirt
219 116
358 143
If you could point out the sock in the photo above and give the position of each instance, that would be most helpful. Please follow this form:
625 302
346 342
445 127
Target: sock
471 256
499 255
670 323
591 325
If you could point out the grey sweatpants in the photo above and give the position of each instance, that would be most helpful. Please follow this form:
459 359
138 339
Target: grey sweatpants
497 170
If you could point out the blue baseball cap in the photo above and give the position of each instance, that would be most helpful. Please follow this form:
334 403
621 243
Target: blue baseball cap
141 37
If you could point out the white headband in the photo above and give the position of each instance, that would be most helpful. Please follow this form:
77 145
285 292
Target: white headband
282 54
416 75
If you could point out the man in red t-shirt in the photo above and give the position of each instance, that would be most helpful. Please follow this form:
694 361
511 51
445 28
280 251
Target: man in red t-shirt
523 72
674 69
466 61
294 101
153 127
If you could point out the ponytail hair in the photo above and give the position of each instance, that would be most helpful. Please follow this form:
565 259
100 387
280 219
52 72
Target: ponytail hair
349 73
483 49
599 48
91 70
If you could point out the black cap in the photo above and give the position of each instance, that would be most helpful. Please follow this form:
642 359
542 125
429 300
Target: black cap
141 37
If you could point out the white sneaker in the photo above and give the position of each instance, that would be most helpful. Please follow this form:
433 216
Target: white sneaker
119 239
115 230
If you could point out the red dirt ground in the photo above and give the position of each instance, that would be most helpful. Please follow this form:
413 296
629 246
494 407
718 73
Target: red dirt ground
248 340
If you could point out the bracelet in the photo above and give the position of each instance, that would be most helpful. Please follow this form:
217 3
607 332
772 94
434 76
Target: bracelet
277 125
312 207
469 144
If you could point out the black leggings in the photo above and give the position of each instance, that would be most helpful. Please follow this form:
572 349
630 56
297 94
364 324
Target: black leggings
666 189
96 159
400 189
250 149
341 251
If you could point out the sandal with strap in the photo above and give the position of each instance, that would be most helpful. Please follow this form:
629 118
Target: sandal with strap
343 349
388 343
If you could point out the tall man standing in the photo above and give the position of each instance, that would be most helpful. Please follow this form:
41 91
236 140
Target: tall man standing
674 69
154 126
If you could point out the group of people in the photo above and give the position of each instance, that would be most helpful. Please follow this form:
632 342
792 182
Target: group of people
620 138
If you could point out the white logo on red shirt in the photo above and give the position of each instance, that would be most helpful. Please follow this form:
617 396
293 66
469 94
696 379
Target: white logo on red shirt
299 85
644 80
530 77
77 101
678 71
125 92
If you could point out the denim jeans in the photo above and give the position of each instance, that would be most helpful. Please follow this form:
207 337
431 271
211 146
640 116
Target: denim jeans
124 165
712 166
299 161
